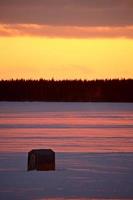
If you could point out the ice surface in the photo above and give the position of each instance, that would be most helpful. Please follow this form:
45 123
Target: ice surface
93 144
77 176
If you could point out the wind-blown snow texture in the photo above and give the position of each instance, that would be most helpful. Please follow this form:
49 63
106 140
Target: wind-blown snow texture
93 144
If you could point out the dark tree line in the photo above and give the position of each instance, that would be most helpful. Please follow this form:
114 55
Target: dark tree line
67 90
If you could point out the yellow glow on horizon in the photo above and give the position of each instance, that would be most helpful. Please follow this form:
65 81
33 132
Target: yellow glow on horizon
34 57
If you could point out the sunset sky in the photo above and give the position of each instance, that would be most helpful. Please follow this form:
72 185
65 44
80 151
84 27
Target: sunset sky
66 39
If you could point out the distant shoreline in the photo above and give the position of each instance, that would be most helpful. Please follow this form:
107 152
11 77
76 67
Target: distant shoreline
34 101
115 91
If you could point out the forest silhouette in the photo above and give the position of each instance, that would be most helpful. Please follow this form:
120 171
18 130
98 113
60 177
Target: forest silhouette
67 90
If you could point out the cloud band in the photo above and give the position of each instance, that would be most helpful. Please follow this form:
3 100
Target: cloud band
65 31
67 12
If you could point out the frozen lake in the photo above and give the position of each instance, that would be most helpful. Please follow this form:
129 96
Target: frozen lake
73 127
93 144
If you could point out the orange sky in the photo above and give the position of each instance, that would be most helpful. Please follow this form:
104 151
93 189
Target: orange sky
35 57
66 40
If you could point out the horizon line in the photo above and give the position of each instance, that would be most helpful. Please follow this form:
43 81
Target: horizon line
53 79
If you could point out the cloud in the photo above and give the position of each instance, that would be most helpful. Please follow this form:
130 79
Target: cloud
65 31
67 12
67 18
